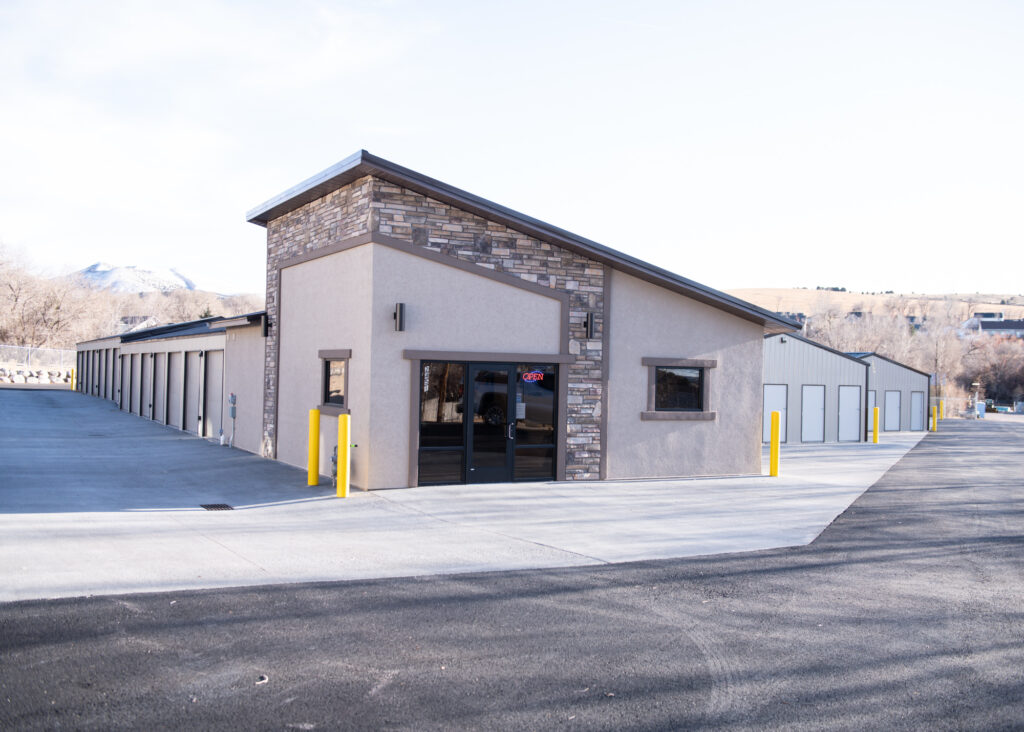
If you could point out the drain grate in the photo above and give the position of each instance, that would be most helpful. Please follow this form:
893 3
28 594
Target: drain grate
216 507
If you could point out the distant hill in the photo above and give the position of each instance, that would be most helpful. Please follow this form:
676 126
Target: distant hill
803 300
102 276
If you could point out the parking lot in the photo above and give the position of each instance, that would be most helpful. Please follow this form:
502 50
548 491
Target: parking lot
95 501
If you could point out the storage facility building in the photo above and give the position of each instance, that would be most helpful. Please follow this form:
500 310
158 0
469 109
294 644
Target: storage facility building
470 343
820 392
899 391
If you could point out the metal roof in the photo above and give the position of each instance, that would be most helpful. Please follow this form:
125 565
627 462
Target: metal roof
362 164
176 330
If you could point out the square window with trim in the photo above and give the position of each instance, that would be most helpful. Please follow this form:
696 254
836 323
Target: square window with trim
678 388
334 379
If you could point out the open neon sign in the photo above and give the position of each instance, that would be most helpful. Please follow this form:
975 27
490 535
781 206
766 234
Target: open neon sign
533 376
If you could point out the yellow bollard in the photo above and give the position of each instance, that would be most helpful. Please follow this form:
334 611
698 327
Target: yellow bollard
935 419
874 434
942 409
344 455
313 472
773 462
74 386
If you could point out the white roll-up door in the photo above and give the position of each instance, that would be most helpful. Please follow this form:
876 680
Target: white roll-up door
774 401
849 414
892 411
812 413
917 410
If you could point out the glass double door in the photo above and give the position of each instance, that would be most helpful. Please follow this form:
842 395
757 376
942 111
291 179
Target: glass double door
486 422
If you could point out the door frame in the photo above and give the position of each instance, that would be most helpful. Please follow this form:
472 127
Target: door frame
416 357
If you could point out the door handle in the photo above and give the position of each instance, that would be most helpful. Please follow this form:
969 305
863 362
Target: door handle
512 431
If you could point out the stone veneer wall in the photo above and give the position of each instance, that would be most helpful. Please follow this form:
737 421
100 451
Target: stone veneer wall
339 215
374 205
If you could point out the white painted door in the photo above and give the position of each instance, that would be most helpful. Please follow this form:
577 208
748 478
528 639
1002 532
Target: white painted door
849 414
812 413
774 401
917 410
871 410
892 411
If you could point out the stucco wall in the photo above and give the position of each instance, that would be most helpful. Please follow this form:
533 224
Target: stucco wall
447 309
346 300
650 321
324 304
243 376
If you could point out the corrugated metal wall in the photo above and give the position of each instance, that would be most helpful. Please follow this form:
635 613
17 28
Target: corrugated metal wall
796 363
887 376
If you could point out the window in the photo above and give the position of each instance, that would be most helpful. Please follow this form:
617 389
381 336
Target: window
334 380
678 389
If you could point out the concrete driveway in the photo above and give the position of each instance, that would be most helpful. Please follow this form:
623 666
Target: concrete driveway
96 501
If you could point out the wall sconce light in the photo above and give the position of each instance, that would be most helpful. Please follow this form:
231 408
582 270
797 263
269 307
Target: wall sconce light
782 340
399 316
589 322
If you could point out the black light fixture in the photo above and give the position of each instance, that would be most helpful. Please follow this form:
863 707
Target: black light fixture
400 316
590 325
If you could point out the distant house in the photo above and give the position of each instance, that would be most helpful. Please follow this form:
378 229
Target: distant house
1006 328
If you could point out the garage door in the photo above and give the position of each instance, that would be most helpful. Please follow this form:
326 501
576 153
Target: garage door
849 414
812 414
214 393
917 410
774 401
193 379
892 411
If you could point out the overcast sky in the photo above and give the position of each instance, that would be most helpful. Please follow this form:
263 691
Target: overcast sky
869 145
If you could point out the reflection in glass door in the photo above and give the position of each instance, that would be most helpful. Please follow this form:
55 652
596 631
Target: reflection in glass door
487 422
491 431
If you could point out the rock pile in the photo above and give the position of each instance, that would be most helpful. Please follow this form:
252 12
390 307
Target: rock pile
16 375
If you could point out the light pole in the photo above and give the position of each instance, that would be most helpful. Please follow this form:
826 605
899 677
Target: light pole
976 386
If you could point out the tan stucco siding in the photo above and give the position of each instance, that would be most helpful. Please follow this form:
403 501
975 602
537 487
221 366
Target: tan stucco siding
447 309
650 321
243 377
324 305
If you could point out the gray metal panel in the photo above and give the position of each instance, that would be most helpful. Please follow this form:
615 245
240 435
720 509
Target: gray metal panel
160 382
146 403
214 396
193 371
796 361
176 394
888 375
136 384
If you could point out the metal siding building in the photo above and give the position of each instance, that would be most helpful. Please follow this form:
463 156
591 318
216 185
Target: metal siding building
900 393
821 392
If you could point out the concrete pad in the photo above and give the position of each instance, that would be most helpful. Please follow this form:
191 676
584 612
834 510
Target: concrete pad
97 501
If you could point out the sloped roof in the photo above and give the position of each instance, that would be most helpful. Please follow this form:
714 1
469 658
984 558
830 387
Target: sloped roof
363 164
866 354
822 346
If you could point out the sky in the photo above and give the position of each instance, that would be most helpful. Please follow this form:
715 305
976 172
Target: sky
867 145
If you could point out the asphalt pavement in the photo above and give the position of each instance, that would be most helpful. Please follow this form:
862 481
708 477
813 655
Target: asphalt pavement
905 613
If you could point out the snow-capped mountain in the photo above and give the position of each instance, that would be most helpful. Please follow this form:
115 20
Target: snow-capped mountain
104 276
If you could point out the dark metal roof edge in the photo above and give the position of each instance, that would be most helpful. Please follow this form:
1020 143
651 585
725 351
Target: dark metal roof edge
892 361
308 190
364 163
161 330
178 334
819 345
